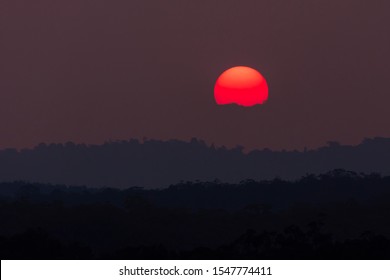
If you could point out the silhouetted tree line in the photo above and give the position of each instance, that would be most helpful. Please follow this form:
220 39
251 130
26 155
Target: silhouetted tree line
335 186
336 215
123 164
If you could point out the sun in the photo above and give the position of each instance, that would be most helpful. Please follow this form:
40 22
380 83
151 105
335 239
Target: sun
241 85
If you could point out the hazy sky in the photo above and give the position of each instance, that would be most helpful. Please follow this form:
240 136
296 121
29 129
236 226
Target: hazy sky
95 70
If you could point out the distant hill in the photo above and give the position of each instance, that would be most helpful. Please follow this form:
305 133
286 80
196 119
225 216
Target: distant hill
336 186
156 164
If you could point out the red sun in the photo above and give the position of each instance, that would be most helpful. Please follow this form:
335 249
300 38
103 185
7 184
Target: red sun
241 85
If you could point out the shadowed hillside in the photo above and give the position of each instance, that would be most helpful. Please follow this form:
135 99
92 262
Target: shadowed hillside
335 186
158 164
337 215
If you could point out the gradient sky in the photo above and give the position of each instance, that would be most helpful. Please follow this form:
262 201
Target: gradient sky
95 70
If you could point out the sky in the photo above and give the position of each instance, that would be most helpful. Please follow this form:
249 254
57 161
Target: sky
90 71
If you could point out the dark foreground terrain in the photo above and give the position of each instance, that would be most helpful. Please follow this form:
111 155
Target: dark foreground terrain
337 215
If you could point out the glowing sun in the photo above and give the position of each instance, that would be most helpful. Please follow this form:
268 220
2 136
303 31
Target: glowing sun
241 85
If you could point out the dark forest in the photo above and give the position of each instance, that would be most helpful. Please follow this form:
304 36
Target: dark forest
336 215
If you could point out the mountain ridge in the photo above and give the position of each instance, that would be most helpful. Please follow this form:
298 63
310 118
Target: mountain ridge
157 164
